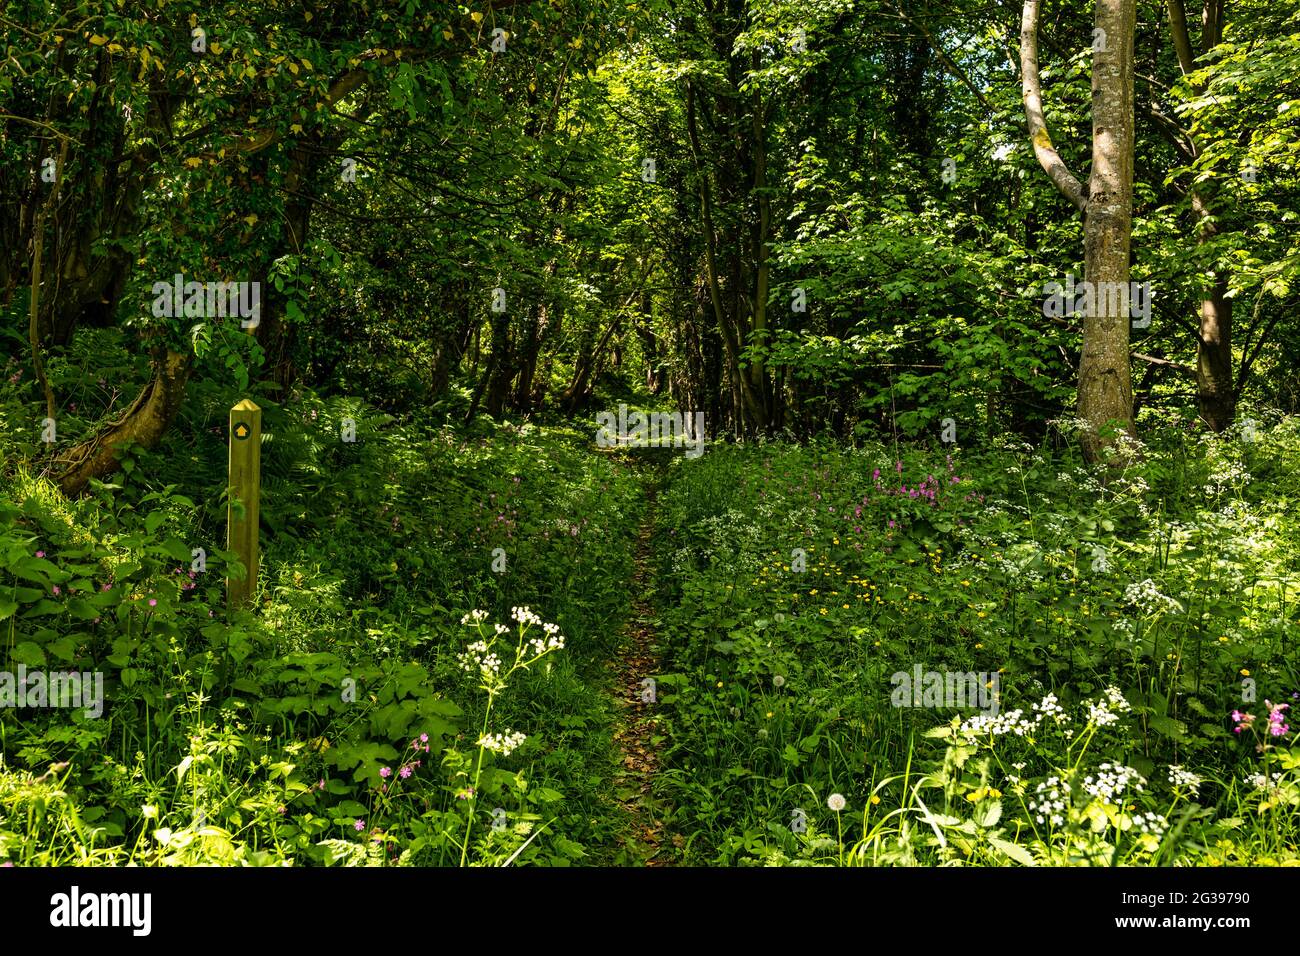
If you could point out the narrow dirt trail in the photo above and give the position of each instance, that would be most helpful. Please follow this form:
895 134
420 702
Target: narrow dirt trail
636 733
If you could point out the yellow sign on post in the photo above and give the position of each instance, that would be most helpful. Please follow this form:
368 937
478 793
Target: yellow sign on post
244 486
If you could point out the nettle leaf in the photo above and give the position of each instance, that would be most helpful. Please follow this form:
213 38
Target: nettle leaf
1013 850
990 814
1168 727
176 548
43 607
27 653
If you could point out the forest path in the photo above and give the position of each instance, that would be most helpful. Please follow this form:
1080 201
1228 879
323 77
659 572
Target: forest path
636 733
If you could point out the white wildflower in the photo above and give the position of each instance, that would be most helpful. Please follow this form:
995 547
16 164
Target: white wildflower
479 657
1261 782
1111 781
1049 707
524 615
1152 823
1106 711
503 744
1012 722
1147 598
1051 797
1178 778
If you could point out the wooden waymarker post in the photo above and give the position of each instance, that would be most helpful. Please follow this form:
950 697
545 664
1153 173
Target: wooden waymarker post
245 484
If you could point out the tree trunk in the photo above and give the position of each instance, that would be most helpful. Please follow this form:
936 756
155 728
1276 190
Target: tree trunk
550 332
649 346
759 379
38 247
573 397
1105 388
1105 394
1215 393
1215 385
748 401
450 344
526 359
502 367
274 333
143 423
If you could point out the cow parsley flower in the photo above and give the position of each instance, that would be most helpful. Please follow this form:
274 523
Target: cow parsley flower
1050 800
1179 778
1146 597
540 645
1106 711
479 657
503 744
1049 707
525 615
1152 823
1012 722
1111 781
1261 781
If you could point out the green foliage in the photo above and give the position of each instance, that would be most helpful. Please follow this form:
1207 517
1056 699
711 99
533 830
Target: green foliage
343 693
817 220
1172 582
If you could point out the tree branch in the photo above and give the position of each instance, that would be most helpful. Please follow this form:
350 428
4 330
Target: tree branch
1031 91
349 82
1155 360
952 67
1248 360
1172 131
1182 40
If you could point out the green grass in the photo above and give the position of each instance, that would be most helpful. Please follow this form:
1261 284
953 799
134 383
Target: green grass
1028 568
264 738
794 582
